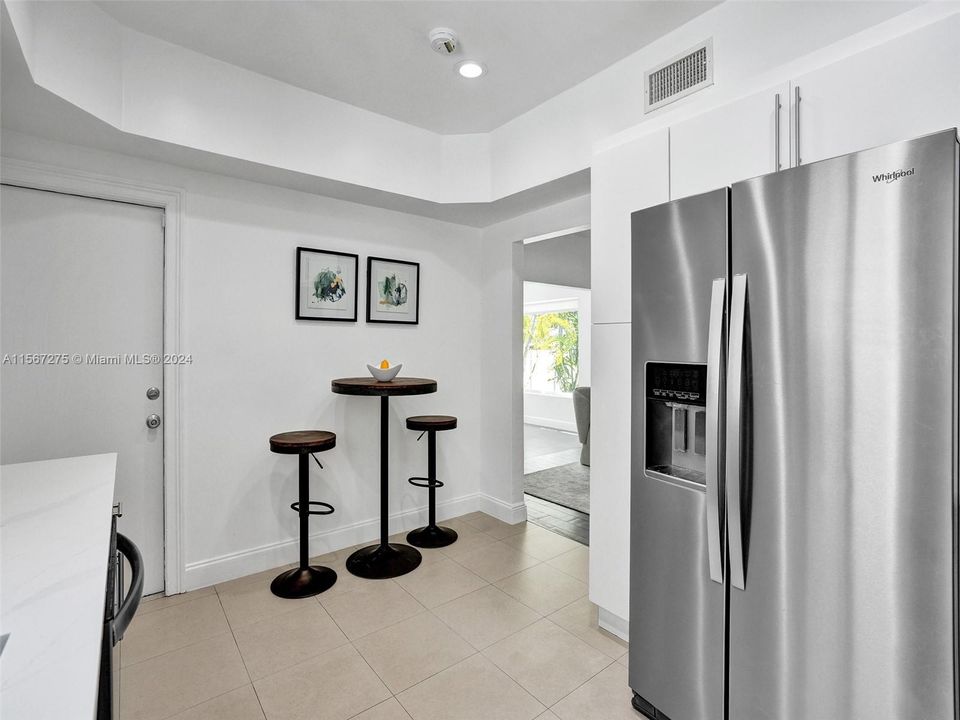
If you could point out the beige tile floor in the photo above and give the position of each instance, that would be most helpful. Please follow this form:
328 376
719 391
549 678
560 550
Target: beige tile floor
495 627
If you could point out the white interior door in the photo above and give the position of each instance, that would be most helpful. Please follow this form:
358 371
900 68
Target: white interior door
82 280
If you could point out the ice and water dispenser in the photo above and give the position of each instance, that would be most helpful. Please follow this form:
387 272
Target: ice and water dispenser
676 424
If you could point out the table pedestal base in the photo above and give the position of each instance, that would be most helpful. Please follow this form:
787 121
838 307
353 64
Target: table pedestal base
432 536
303 582
378 562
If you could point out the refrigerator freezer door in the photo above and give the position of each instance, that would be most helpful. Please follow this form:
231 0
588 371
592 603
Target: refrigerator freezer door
676 610
848 432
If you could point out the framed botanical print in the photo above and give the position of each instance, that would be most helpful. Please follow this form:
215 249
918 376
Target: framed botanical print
393 291
327 285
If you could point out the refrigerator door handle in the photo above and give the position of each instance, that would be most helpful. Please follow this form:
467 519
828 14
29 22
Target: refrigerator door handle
796 124
738 311
714 461
776 133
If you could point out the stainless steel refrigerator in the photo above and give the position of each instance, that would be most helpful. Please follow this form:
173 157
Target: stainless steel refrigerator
794 490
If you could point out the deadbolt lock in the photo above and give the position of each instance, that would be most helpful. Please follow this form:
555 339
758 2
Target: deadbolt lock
153 393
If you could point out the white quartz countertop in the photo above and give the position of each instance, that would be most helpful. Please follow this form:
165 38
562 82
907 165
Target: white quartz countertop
55 518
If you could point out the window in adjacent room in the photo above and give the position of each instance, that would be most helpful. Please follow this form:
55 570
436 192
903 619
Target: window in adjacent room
551 347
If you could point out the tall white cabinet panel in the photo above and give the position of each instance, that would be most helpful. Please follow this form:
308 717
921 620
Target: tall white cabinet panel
610 469
629 177
731 143
907 87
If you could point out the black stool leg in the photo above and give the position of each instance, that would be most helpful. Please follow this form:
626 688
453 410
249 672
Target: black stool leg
432 536
304 510
432 474
306 580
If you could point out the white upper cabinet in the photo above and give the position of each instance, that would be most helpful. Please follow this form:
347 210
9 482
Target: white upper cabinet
901 89
626 178
731 143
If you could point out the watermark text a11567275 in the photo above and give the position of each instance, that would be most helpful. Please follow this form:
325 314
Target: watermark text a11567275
76 358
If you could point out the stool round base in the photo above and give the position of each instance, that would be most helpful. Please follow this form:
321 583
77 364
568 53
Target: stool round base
303 582
379 562
432 536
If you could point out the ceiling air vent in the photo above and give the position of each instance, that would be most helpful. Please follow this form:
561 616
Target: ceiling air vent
679 77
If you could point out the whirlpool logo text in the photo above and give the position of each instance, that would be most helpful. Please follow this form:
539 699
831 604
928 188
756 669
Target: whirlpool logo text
893 176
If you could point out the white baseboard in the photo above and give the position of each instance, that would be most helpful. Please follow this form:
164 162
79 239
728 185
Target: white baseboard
614 624
252 560
550 423
506 512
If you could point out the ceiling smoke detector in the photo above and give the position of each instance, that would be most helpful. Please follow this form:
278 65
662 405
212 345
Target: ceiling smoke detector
443 41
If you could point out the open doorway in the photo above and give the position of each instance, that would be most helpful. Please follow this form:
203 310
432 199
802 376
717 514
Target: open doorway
556 383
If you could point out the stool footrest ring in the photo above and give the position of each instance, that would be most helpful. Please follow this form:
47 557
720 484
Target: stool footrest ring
425 482
327 507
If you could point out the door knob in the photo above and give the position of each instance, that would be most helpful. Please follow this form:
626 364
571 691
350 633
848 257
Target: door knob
153 393
153 421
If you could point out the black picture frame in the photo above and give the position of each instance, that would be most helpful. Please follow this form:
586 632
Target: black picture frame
304 298
379 265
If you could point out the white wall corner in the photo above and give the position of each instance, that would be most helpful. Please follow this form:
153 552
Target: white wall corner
511 513
73 49
465 168
20 13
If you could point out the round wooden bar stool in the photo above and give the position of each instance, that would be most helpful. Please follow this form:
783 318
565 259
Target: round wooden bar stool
432 535
307 579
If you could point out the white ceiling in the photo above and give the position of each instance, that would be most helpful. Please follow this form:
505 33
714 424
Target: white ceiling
29 109
376 55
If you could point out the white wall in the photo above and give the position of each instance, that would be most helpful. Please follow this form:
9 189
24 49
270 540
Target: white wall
549 410
555 409
563 260
257 371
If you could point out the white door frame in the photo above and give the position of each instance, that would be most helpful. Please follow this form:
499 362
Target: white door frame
517 361
170 200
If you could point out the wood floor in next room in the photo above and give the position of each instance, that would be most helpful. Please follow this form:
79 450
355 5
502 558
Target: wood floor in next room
497 625
545 448
572 524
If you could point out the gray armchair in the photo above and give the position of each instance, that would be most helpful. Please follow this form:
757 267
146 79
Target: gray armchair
581 410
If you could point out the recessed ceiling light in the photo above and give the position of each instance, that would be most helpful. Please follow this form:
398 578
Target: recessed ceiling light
470 69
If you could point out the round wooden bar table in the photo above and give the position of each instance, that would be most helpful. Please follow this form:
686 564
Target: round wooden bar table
385 560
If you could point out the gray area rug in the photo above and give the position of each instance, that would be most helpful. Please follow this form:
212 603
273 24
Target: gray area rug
567 485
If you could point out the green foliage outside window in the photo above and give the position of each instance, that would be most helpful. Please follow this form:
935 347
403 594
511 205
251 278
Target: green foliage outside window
558 333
